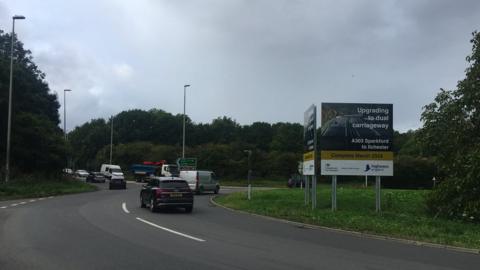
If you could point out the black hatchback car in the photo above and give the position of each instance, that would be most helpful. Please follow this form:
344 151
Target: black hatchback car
161 192
95 177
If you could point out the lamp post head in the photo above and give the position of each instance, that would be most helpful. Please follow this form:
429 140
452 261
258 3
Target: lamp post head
67 90
186 85
18 17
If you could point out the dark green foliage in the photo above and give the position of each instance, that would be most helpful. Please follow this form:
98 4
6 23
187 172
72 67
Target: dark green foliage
37 143
451 133
411 173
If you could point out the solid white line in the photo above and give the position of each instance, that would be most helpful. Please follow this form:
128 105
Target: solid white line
124 207
170 230
3 207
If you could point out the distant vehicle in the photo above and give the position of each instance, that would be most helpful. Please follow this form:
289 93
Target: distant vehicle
81 173
67 171
115 175
201 181
295 180
143 171
95 177
166 192
109 169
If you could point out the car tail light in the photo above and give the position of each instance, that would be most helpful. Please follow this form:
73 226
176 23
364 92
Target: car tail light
159 192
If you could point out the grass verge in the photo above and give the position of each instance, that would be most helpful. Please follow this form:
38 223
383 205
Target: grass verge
255 182
403 213
40 188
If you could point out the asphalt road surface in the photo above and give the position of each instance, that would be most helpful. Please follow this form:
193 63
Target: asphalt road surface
108 230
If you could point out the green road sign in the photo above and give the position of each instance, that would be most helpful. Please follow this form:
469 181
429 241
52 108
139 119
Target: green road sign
187 163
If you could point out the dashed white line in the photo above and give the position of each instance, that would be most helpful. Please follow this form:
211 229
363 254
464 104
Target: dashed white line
124 207
50 197
23 203
41 199
13 204
32 200
3 207
170 230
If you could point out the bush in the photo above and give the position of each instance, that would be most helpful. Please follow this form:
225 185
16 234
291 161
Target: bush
411 173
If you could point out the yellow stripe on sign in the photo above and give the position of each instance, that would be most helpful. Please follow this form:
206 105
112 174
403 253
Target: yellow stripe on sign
356 155
309 156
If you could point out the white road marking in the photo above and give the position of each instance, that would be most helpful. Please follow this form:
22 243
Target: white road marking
32 200
23 203
14 204
170 230
50 197
3 207
124 207
41 199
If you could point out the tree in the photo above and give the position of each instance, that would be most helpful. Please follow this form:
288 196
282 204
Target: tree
37 141
451 132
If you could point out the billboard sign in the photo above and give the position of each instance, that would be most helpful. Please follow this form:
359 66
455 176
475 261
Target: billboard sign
309 140
357 139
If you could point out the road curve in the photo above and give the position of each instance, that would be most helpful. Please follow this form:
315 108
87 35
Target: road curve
108 230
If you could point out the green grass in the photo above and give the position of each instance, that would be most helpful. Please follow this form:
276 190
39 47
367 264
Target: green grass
254 182
31 188
403 213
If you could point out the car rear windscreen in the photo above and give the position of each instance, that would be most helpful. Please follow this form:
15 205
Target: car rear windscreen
173 184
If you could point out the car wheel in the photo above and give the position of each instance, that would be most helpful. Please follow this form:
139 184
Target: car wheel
216 190
152 206
189 209
142 203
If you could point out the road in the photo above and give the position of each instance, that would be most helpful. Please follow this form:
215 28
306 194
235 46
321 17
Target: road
108 230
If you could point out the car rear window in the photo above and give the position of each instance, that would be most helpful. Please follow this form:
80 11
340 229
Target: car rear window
173 184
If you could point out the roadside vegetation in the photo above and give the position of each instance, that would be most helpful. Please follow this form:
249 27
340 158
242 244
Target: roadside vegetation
404 213
276 183
32 187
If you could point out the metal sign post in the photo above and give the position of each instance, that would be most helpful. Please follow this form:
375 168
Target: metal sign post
334 193
309 154
377 194
306 190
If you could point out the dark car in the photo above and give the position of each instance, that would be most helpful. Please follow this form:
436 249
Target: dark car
95 177
117 183
162 192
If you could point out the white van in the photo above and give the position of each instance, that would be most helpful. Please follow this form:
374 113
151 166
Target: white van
111 171
200 181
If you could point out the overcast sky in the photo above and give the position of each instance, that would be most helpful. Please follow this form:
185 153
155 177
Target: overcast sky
258 60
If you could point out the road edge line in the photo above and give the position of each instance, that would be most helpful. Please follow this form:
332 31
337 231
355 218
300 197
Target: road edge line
353 233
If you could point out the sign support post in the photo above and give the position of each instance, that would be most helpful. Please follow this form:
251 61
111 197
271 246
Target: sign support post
314 192
306 190
309 155
334 193
377 194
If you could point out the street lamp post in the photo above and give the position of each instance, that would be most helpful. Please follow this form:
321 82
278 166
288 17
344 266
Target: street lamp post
184 101
9 121
65 123
249 190
65 112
